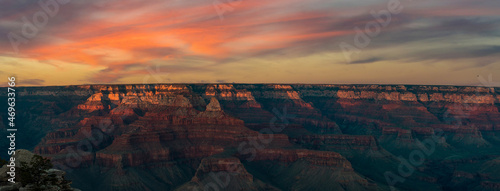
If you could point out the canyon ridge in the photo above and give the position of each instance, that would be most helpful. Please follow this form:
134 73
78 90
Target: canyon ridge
264 136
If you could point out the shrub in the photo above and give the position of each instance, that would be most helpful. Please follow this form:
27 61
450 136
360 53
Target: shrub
36 174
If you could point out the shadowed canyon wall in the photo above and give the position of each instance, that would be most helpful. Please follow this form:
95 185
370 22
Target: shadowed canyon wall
264 136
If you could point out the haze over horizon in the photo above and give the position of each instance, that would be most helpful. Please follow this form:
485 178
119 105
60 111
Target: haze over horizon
450 42
487 85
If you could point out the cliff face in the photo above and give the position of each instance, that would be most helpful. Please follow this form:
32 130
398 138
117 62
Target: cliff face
189 130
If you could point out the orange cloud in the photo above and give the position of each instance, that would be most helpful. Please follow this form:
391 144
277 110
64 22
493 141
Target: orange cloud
120 35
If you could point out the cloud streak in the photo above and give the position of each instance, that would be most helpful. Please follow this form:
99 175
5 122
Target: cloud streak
123 38
31 82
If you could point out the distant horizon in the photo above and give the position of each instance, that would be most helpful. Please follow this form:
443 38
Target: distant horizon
226 83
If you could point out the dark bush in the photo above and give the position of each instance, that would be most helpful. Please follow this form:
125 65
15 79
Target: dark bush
36 174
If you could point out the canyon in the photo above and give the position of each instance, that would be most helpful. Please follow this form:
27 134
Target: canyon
264 136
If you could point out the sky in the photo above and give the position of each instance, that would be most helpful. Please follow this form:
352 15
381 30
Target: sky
72 42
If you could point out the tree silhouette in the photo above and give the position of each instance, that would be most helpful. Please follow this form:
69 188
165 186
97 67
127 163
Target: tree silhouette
36 174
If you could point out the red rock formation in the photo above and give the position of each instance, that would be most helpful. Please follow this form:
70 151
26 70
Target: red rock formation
94 103
147 126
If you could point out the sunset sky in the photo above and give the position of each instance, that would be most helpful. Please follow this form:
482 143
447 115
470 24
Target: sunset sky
446 42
